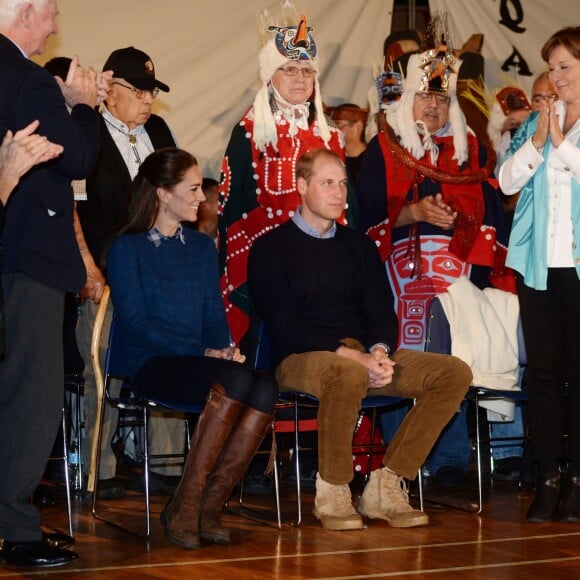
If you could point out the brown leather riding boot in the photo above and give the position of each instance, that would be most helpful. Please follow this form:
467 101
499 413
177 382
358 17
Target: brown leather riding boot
180 517
244 441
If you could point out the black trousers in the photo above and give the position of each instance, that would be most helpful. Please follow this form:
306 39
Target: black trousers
188 379
551 325
31 399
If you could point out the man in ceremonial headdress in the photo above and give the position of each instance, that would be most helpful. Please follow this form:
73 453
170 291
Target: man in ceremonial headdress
426 192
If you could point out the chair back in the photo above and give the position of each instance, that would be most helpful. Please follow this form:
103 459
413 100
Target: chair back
116 359
99 381
262 355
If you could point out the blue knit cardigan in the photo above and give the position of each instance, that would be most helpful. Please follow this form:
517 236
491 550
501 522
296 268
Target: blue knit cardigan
167 298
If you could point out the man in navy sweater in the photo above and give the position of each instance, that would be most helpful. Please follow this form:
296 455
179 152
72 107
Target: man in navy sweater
323 295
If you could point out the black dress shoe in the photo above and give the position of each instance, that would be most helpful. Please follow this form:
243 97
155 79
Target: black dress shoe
570 508
545 504
57 540
35 554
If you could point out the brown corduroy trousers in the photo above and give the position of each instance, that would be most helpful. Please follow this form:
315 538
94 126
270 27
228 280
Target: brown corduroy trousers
437 382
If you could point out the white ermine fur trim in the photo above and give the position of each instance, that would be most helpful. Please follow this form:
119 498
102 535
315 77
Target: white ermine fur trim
495 123
402 118
265 132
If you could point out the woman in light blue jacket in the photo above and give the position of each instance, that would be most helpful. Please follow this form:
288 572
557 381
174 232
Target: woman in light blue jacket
544 250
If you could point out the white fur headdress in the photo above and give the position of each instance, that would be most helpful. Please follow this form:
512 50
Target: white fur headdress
289 43
433 70
383 95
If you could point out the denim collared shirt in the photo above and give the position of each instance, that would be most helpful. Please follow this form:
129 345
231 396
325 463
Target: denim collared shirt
307 229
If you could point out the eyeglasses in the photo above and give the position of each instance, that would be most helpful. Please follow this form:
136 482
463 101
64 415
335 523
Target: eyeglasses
540 99
426 97
139 93
292 71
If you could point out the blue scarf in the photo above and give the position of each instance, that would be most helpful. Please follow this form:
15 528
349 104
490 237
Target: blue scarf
527 252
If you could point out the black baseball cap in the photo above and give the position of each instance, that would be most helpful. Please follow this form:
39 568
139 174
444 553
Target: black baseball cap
135 67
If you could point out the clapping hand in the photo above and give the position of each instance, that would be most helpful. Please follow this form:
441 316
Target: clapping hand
83 85
19 152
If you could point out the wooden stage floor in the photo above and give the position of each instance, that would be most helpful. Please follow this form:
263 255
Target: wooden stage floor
497 544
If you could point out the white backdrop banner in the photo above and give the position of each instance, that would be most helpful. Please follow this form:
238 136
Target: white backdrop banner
514 33
207 52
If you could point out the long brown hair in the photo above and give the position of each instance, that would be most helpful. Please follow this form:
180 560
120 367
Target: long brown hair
163 168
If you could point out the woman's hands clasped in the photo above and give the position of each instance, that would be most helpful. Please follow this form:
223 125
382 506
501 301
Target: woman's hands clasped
229 353
548 127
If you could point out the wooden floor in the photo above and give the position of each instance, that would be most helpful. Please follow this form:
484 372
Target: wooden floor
497 544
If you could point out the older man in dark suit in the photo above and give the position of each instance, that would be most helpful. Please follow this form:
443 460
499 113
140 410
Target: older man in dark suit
40 262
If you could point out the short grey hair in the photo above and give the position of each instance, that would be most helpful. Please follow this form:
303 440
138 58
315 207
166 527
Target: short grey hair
9 9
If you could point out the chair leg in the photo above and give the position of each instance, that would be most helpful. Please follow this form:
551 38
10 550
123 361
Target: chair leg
255 514
79 425
100 420
478 452
372 445
66 472
146 469
420 485
297 463
74 414
473 508
277 490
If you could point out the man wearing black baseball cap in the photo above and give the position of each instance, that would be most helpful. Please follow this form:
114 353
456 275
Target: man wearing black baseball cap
129 133
135 67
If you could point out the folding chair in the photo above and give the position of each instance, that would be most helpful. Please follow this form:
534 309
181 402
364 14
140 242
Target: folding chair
297 401
115 367
438 340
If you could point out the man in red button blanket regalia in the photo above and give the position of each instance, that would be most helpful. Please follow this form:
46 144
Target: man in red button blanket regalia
258 188
428 199
427 196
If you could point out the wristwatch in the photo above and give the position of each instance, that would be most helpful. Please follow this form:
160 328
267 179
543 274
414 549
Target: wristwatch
382 345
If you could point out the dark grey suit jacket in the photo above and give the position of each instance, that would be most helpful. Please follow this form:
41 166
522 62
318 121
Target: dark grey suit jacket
38 237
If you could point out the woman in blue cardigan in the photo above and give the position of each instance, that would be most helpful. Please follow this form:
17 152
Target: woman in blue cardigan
165 288
544 249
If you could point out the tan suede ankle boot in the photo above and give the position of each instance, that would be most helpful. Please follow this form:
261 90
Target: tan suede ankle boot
333 506
180 517
386 497
243 442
